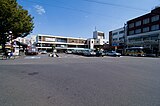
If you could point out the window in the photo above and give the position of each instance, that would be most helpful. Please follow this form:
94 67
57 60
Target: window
115 39
131 32
97 42
146 29
138 23
155 27
115 33
131 25
145 38
40 38
138 31
146 21
61 40
121 38
154 37
155 18
121 32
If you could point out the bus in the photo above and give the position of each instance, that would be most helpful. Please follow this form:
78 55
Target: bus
138 51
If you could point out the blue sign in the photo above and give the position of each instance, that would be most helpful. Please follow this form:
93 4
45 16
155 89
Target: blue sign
115 44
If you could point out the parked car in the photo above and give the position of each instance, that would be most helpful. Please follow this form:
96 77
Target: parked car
100 53
69 52
113 53
89 53
43 52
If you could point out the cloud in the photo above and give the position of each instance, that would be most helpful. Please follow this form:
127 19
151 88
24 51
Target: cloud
40 10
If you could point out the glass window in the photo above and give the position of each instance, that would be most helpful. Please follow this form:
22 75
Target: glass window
115 39
138 31
131 25
61 40
146 21
155 27
131 32
40 38
146 29
138 23
154 38
121 32
155 18
115 33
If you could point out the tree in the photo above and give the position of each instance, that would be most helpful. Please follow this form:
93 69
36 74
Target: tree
14 18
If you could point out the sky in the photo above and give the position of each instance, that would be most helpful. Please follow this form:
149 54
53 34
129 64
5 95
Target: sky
79 18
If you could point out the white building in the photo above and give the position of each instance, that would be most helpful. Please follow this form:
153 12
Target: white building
117 38
99 39
61 43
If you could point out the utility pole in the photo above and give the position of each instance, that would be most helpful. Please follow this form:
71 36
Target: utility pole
125 35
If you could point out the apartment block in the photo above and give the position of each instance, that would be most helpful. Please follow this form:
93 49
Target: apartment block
144 31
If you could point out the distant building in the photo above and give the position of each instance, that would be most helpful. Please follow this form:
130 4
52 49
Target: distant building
99 39
117 39
144 31
61 43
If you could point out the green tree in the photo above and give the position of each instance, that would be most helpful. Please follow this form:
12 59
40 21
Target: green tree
14 18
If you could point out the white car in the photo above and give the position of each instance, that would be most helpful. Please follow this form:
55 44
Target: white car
43 52
113 53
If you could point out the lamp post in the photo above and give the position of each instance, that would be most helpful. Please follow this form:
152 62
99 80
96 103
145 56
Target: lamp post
124 46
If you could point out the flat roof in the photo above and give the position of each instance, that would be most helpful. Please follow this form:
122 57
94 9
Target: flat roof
61 36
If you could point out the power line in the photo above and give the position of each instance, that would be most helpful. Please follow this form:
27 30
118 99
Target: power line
116 5
84 11
68 8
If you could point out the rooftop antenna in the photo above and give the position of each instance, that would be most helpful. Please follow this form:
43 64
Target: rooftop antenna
95 28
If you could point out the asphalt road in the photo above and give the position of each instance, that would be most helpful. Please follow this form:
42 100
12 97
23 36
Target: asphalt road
80 81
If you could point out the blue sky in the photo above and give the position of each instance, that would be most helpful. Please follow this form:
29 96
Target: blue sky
78 18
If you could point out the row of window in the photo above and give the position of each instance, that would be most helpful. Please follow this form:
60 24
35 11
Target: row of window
145 29
143 38
121 38
116 33
145 21
63 40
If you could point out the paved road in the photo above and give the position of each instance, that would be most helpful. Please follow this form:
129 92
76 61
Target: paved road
80 81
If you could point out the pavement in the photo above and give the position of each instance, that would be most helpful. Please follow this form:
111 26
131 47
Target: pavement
73 80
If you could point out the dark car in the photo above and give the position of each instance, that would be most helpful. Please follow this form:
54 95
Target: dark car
100 53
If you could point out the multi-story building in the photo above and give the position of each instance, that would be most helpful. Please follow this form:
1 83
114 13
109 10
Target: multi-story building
144 31
117 39
99 39
61 43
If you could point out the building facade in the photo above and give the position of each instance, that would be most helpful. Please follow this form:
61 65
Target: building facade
117 39
99 39
61 43
144 31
